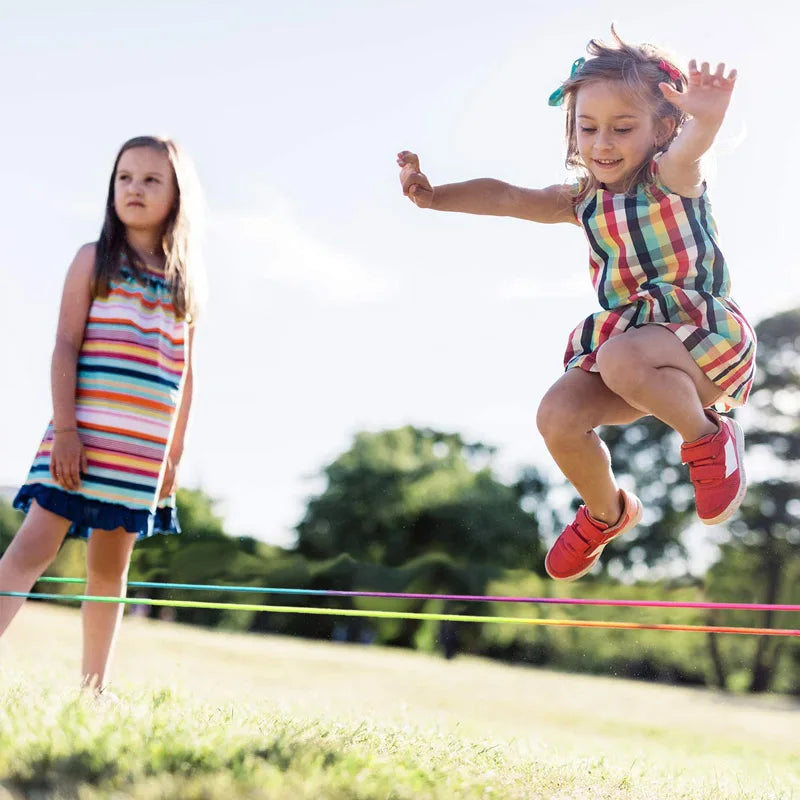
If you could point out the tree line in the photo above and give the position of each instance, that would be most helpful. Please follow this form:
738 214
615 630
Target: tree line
422 511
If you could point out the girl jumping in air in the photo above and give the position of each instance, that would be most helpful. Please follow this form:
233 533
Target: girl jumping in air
668 340
122 388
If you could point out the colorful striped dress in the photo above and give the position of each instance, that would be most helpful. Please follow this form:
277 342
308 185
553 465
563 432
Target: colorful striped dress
655 259
130 377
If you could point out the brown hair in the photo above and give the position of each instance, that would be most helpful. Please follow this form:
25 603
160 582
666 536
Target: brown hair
178 239
638 69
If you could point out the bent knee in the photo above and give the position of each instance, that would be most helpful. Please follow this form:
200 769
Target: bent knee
620 363
560 416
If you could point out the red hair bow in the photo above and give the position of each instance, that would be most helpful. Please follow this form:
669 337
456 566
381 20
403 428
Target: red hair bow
673 72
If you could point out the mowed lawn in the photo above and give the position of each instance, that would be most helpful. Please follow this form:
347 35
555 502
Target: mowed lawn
216 715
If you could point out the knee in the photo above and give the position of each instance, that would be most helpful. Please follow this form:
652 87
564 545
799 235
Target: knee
559 417
109 577
620 364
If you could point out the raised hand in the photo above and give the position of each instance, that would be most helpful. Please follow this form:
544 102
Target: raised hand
415 185
708 94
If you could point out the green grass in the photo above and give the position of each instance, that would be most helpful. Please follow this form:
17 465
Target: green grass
215 715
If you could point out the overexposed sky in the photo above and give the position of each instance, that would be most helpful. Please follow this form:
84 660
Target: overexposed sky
335 305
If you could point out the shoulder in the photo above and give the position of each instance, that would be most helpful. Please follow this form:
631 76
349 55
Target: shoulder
81 271
87 251
80 275
77 296
566 193
566 196
83 262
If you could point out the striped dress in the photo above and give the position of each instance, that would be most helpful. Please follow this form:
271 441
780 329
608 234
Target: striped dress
130 376
655 259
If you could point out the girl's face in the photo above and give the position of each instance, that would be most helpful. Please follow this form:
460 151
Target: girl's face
615 135
144 188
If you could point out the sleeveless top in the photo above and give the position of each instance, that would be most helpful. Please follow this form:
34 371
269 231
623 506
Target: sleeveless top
655 259
130 377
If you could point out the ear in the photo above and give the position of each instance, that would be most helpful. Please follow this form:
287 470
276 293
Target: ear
665 128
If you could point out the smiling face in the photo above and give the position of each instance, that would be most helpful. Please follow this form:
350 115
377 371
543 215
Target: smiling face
144 188
615 135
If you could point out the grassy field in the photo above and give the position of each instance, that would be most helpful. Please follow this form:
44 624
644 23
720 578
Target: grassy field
215 715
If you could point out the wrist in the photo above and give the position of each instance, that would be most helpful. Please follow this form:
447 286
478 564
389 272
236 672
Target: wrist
708 125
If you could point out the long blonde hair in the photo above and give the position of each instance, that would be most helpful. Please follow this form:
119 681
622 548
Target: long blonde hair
179 241
638 69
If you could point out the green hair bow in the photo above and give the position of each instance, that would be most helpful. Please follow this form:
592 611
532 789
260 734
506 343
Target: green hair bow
557 98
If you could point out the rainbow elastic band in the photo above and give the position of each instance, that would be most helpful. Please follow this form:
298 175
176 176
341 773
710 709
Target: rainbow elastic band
376 614
464 598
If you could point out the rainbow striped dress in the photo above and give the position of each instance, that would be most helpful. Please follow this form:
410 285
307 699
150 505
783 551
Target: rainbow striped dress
655 259
130 377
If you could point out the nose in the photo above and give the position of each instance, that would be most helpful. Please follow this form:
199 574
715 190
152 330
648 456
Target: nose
602 141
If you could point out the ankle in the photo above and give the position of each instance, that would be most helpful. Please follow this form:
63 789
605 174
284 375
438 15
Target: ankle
703 430
608 515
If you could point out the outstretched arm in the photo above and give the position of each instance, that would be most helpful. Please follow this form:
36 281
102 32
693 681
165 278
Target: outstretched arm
705 100
485 196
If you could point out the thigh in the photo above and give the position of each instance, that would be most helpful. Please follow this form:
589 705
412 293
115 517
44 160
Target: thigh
41 530
583 399
109 552
657 346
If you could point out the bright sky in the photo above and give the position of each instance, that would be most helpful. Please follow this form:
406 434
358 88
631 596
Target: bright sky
335 305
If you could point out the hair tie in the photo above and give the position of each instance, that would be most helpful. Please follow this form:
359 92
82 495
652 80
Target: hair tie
673 72
557 97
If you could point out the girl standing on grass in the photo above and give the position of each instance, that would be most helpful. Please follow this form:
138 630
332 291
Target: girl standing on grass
122 389
669 340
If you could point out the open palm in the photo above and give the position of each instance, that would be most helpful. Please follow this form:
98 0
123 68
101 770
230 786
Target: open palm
708 94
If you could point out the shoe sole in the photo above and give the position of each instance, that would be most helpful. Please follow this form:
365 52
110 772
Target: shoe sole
733 506
569 578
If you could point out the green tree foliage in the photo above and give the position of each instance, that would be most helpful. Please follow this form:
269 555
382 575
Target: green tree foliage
761 562
155 558
205 554
400 494
10 520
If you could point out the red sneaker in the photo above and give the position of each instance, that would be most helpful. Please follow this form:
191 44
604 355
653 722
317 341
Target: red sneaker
576 551
716 470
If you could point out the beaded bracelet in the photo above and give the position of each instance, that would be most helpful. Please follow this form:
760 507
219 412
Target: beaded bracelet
65 430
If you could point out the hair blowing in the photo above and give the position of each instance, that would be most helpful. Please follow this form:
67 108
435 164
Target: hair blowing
636 69
177 239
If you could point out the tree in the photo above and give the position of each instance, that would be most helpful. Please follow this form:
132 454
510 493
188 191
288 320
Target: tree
761 562
399 494
10 520
154 558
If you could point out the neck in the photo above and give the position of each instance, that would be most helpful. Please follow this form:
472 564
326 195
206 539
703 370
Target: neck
147 245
